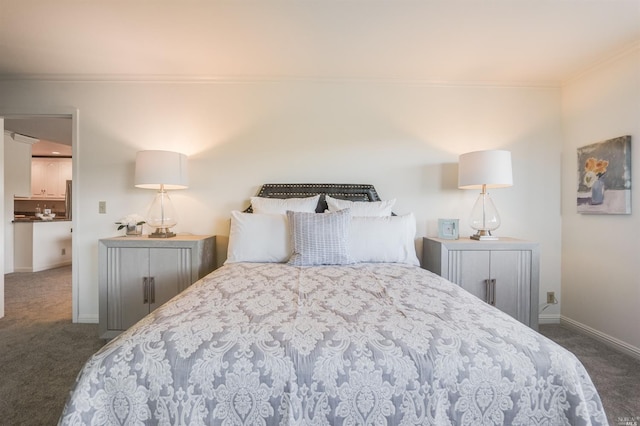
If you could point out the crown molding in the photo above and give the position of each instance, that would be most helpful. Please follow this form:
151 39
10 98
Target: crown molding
258 79
604 61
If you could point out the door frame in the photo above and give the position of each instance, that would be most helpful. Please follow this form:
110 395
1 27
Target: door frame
63 112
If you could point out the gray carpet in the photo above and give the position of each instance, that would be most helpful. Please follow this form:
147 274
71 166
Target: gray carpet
616 375
41 352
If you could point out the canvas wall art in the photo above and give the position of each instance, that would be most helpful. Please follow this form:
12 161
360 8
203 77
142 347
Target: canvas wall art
604 177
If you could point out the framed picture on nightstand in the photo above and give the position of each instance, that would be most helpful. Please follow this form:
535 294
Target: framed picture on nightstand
448 229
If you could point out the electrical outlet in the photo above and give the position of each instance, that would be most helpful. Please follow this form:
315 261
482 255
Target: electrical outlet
551 297
102 207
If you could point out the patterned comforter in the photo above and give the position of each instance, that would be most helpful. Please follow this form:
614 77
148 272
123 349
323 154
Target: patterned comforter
364 344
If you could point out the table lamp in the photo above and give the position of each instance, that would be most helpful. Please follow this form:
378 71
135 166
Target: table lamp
482 170
161 170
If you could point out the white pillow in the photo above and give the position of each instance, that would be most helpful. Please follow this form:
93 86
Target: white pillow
319 238
388 239
361 208
281 205
257 237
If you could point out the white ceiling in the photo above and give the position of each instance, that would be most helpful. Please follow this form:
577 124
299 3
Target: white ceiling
54 134
530 42
538 42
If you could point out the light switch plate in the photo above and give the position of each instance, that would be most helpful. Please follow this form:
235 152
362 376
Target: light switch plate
102 207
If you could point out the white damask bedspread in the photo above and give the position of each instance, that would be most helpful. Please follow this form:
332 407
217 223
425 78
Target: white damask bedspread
365 344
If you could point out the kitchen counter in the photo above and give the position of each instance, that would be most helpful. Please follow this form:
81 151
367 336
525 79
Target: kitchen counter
39 247
36 220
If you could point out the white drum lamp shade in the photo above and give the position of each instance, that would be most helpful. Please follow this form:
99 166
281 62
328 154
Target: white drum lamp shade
482 170
161 170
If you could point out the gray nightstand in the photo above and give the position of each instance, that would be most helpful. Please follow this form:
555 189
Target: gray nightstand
138 274
504 273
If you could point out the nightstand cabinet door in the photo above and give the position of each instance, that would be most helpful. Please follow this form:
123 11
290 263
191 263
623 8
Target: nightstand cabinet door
512 286
126 299
171 273
503 273
469 269
138 274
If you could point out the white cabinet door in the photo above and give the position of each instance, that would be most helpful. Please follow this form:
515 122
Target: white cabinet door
65 174
45 177
49 176
38 177
52 179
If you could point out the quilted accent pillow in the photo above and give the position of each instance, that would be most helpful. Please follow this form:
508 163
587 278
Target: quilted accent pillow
361 208
320 238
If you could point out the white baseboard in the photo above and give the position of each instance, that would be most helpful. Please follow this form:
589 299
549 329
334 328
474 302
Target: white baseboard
51 266
616 344
42 267
549 319
87 319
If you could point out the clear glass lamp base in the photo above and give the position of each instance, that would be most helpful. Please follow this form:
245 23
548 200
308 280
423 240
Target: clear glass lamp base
484 218
484 235
161 216
162 233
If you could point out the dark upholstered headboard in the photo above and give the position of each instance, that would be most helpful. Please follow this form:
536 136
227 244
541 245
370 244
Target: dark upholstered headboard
346 191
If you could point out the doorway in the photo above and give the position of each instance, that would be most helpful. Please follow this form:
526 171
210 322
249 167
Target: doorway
59 126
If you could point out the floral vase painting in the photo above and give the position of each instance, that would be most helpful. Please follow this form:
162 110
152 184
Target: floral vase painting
604 177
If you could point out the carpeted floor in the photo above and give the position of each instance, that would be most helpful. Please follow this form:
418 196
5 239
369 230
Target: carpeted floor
616 375
41 352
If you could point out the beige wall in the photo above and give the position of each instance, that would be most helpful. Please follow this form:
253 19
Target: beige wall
2 231
600 264
17 178
403 138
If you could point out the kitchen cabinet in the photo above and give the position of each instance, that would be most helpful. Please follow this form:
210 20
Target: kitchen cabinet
503 273
138 274
38 177
49 176
65 174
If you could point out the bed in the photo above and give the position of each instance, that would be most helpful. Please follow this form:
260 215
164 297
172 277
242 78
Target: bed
288 332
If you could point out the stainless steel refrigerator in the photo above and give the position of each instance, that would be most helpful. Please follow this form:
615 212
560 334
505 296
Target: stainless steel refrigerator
67 200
